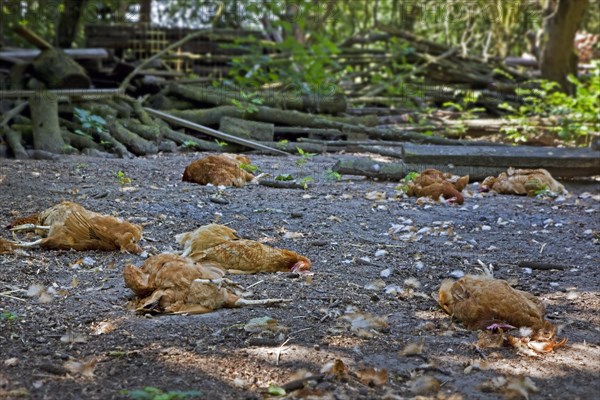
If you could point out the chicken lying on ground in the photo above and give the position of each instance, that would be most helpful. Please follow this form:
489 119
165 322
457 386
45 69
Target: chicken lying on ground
222 169
522 182
219 245
480 302
168 283
433 183
69 225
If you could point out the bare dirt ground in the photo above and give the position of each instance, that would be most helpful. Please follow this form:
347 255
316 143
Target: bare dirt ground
353 246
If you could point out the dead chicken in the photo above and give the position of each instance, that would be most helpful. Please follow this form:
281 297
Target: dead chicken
522 182
168 283
69 225
217 244
481 302
205 237
435 184
6 246
222 169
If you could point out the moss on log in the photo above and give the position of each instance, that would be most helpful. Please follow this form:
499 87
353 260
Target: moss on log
46 131
59 71
133 142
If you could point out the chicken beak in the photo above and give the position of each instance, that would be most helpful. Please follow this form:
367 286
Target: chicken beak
299 267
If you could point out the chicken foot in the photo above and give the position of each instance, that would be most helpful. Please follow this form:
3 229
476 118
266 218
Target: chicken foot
28 244
29 228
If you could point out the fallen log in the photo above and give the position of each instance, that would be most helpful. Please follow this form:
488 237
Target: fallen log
253 130
561 162
134 143
212 132
13 139
330 103
189 141
396 171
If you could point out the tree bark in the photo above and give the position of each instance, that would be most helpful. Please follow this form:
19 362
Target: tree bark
69 22
44 116
558 58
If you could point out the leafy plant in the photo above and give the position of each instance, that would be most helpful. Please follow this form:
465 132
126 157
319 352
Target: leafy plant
281 144
153 393
571 118
189 144
250 168
305 181
220 143
284 177
305 156
122 178
89 122
411 176
249 103
333 175
8 316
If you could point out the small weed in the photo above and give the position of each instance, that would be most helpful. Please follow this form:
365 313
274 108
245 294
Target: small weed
281 144
249 168
122 178
9 316
189 145
411 176
304 181
153 393
220 143
305 156
284 177
333 175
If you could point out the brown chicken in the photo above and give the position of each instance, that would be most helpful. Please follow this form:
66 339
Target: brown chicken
434 183
69 225
478 302
218 244
205 237
222 169
168 283
522 182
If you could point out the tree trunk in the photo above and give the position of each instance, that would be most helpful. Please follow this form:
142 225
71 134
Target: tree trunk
69 22
145 11
44 119
558 58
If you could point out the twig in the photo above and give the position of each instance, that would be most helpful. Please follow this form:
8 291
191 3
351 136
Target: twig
280 349
11 297
254 284
283 184
541 266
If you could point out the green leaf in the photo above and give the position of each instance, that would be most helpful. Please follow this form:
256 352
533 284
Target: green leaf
284 177
276 391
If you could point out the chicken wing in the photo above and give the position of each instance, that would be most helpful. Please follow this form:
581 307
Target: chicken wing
205 237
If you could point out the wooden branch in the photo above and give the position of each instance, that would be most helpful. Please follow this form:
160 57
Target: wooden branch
283 184
541 266
10 114
32 37
158 55
213 132
13 138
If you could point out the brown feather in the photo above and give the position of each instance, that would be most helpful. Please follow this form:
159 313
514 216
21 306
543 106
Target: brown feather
218 170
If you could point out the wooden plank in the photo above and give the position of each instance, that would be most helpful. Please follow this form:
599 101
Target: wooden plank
213 132
569 160
80 54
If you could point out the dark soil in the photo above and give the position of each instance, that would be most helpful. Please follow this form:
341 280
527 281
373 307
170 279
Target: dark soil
342 231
